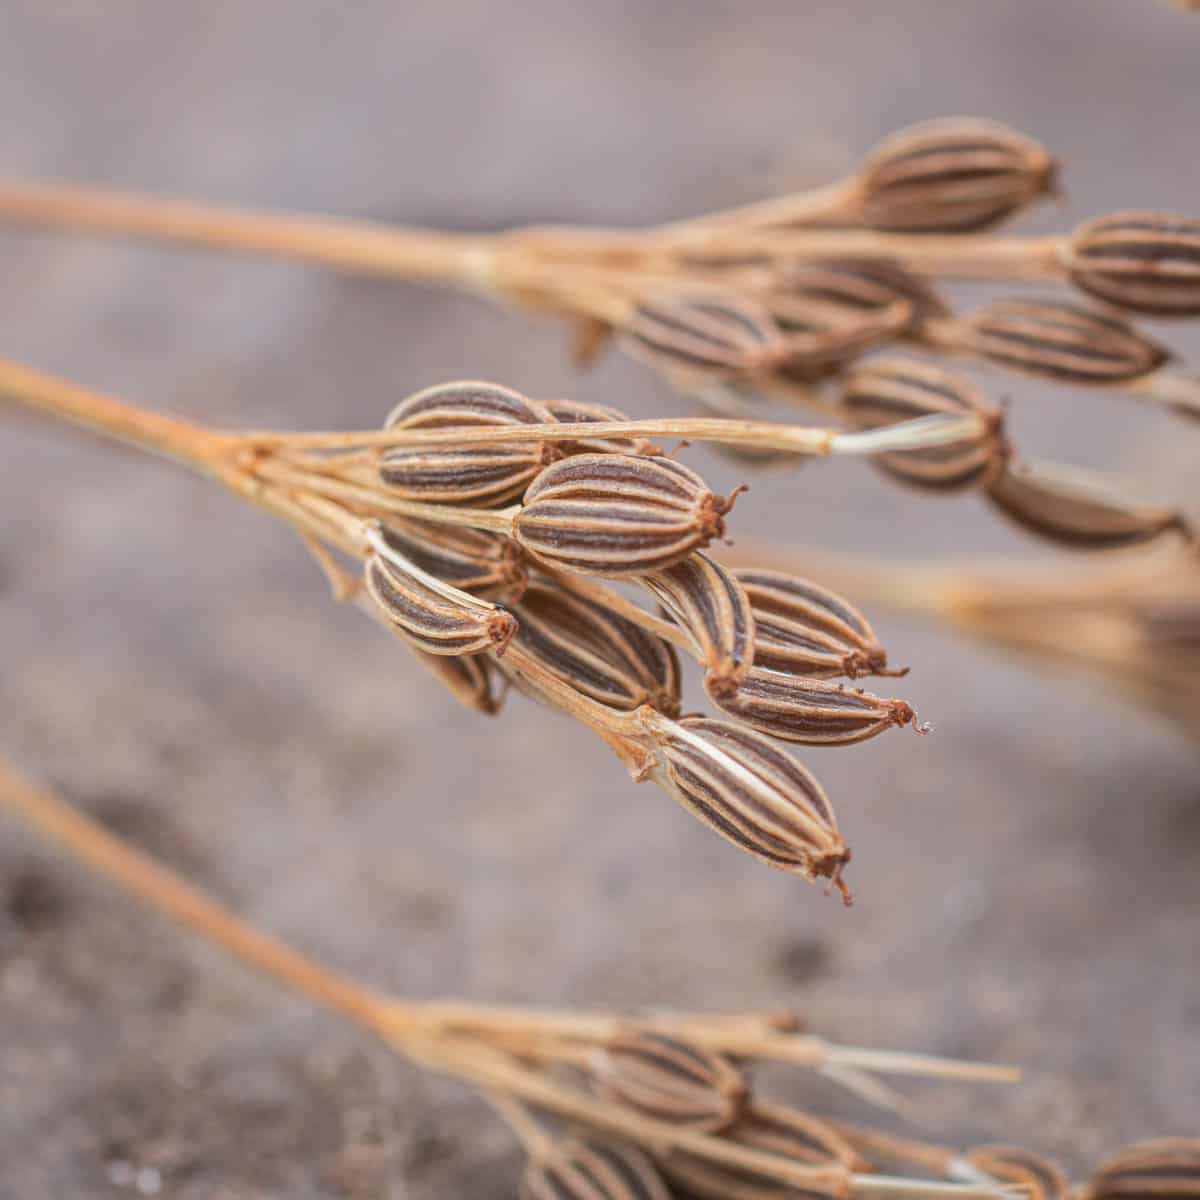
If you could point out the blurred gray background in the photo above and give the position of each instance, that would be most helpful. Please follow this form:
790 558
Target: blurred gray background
1026 878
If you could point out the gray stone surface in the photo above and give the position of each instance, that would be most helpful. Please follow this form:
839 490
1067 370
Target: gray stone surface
1027 878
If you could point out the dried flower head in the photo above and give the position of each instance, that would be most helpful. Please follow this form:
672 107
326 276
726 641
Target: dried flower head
956 175
888 390
1145 262
478 475
588 1168
618 515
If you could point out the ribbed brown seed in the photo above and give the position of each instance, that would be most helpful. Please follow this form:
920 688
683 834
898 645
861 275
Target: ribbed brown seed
1145 262
1160 1169
792 1134
667 1079
695 1179
796 709
889 390
618 515
571 412
753 794
593 1169
1057 340
485 564
475 475
597 651
865 285
1066 508
468 678
436 619
805 629
821 337
1013 1164
708 603
712 337
958 175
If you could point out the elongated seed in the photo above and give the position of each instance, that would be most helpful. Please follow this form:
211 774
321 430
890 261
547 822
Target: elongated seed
670 1080
957 175
597 651
434 616
889 390
477 475
1014 1164
1145 262
1073 509
804 629
792 1134
1159 1169
751 793
821 336
468 678
593 1169
1057 340
866 285
708 603
796 709
697 1179
485 564
572 412
618 515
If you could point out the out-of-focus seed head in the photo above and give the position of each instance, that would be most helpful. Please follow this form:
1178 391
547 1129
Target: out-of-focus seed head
1057 340
1143 262
956 175
888 390
708 603
795 1135
485 564
1014 1164
573 412
597 651
670 1080
804 629
476 474
589 1168
694 1178
1071 509
618 515
753 794
814 711
1160 1169
865 285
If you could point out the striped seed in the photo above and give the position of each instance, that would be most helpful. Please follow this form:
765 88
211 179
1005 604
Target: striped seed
468 678
820 337
591 1169
432 615
473 560
670 1080
792 1134
476 475
1071 509
1145 262
1057 340
571 412
863 285
597 651
889 390
1013 1164
957 175
795 709
805 629
617 515
1160 1169
753 794
697 1179
708 603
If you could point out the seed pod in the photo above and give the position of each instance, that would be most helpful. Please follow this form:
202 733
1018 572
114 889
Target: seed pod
813 711
1076 510
597 651
432 615
1056 340
591 1169
708 337
792 1134
1145 262
753 794
804 629
951 176
865 285
1159 1169
468 678
485 564
694 1178
708 603
821 338
1013 1164
670 1080
617 515
476 474
889 390
571 412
